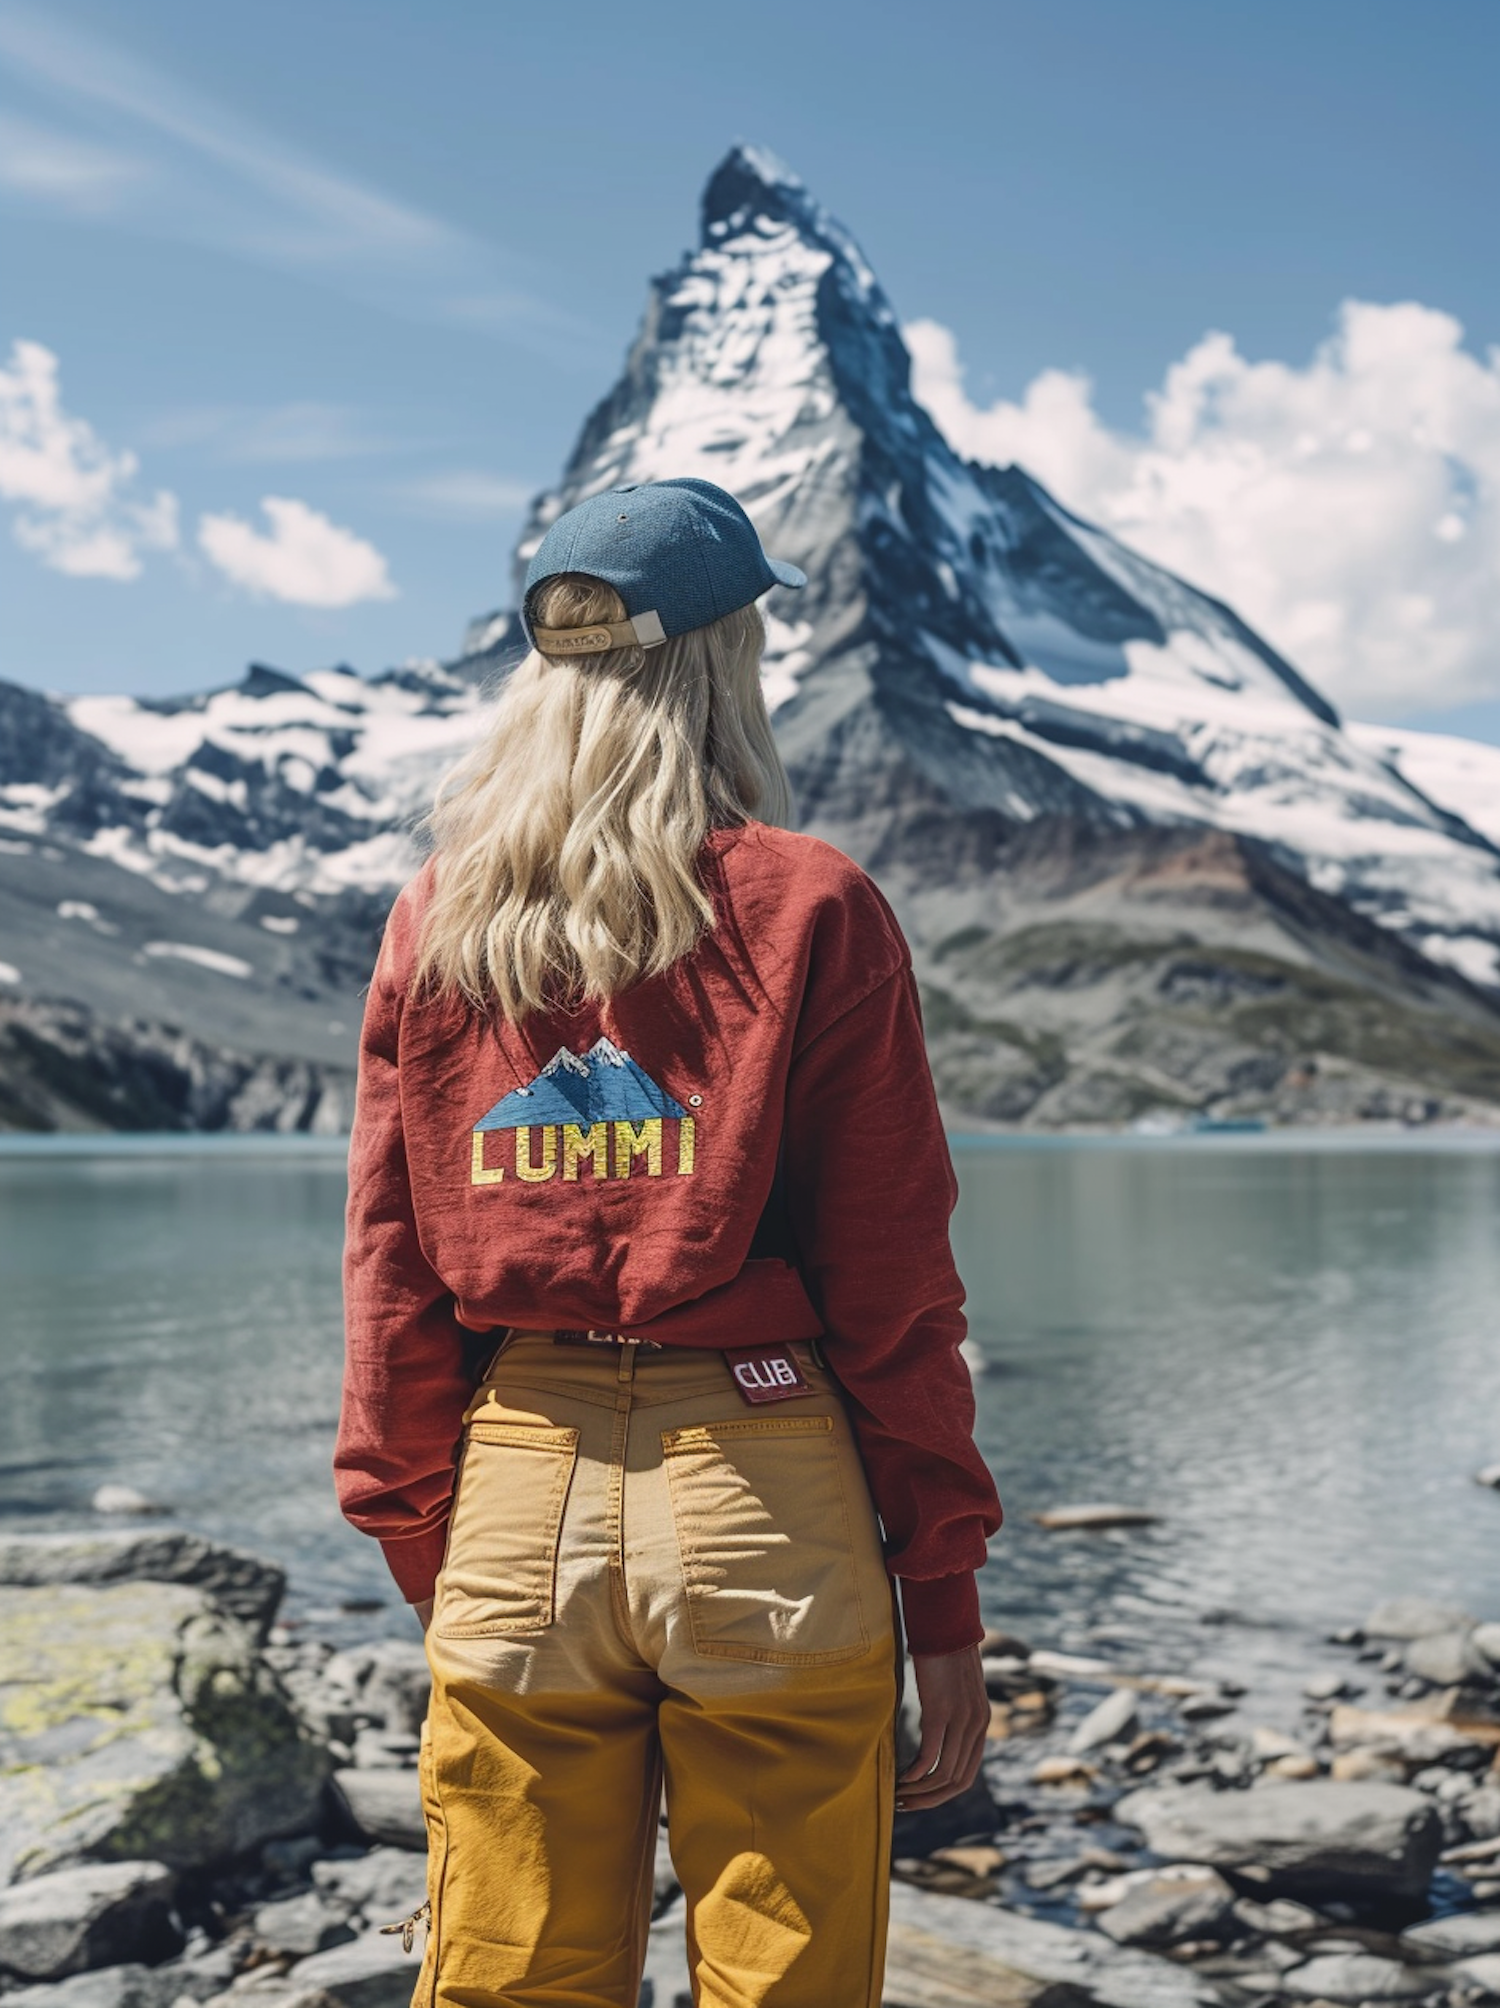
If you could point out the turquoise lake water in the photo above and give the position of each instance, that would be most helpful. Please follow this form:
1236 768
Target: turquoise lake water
1286 1349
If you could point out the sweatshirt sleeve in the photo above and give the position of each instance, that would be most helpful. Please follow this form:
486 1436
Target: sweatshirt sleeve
406 1383
871 1186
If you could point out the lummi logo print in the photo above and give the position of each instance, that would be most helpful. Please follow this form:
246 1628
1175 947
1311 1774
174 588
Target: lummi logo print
596 1113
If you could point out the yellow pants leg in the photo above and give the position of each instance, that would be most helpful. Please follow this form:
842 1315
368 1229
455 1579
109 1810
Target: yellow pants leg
541 1866
779 1810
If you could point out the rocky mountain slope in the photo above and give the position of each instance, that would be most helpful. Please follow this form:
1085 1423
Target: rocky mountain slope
1145 868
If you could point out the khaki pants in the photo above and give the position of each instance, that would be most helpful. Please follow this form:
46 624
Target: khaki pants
649 1582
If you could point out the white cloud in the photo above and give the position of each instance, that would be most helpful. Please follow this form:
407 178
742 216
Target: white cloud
464 495
305 558
194 169
1348 508
77 509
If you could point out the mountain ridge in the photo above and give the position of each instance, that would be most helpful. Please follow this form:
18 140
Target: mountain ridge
1012 720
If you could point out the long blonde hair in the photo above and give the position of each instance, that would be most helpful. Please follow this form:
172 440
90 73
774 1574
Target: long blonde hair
567 844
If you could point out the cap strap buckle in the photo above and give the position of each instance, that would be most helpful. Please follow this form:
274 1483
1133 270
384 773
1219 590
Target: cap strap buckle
644 631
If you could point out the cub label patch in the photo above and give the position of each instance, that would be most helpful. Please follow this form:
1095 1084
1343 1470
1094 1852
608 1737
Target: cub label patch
586 1115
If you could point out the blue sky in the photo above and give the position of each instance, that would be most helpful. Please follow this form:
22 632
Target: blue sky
380 259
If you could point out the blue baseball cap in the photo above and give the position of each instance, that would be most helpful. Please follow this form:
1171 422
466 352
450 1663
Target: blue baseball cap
679 553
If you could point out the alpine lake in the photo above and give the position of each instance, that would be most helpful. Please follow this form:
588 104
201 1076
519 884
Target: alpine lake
1282 1346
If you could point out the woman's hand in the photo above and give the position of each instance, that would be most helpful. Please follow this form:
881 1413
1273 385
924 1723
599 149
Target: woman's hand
424 1612
955 1714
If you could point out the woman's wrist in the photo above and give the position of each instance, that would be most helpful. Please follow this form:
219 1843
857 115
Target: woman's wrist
941 1614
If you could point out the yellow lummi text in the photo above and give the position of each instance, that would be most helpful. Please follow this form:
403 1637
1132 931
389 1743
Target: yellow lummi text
605 1150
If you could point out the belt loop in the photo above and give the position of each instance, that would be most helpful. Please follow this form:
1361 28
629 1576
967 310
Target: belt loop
627 1365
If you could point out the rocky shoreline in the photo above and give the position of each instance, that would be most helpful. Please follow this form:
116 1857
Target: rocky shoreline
200 1804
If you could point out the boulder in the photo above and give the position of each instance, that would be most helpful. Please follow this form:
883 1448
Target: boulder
1446 1658
242 1585
1312 1839
1409 1734
300 1925
396 1687
1361 1976
139 1722
1461 1936
381 1886
96 1915
1480 1975
1028 1948
108 1987
971 1816
370 1972
385 1805
1170 1908
205 1972
1414 1617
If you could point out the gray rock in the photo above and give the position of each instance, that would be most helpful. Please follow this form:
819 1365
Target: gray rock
665 1978
971 1813
1414 1617
384 1750
1318 1838
1481 1812
385 1805
300 1925
1113 1717
138 1720
96 1915
1361 1976
242 1585
396 1686
1486 1640
1445 1658
107 1987
1277 1918
1459 1937
1481 1974
370 1972
1118 1976
1328 1687
122 1499
204 1974
1169 1909
381 1886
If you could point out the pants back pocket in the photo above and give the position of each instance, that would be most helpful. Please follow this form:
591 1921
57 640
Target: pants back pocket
500 1573
762 1522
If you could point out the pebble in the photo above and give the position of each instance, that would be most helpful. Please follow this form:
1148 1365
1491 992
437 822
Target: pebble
1094 1516
1302 1765
1111 1719
123 1499
1328 1687
1205 1707
1489 1475
1359 1977
1167 1909
1063 1771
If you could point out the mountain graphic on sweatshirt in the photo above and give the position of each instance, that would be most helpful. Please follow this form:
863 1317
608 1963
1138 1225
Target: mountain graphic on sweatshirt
595 1112
603 1085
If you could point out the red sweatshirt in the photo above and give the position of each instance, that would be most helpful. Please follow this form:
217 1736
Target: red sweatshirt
607 1168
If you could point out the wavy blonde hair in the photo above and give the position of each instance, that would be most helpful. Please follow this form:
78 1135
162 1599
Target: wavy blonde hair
567 844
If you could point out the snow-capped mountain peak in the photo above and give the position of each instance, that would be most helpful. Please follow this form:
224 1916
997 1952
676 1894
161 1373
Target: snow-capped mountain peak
964 637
